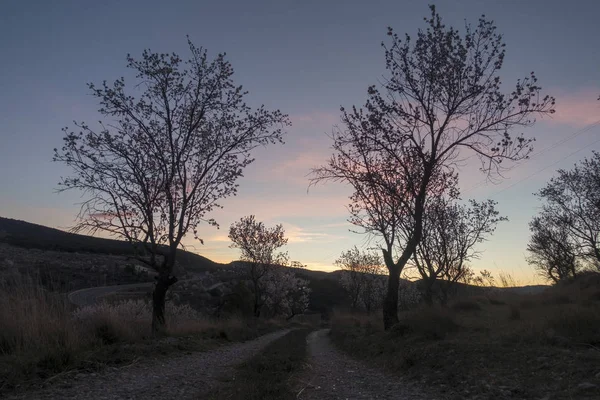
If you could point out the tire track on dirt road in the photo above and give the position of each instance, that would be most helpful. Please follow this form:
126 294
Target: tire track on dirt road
332 375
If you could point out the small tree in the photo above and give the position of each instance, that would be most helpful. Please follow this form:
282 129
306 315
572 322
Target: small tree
442 95
166 156
451 232
258 246
273 286
572 210
285 293
362 278
552 251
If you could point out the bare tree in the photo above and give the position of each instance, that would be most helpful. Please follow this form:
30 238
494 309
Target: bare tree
451 233
442 95
166 156
552 251
572 210
258 246
362 278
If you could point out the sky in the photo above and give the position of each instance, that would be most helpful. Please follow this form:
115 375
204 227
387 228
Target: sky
306 58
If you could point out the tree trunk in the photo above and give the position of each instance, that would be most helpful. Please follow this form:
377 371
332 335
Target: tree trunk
257 305
163 283
597 253
428 295
390 303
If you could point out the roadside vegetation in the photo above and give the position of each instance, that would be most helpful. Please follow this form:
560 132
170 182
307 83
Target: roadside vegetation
43 336
498 346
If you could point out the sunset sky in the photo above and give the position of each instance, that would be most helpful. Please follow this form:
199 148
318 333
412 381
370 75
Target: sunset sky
306 58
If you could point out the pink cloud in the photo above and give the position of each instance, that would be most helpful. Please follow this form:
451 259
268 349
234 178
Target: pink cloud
315 118
297 234
579 108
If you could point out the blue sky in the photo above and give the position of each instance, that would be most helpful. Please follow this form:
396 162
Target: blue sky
306 58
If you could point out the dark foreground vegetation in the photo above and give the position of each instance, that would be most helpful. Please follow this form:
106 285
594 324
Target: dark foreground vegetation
43 337
271 374
499 346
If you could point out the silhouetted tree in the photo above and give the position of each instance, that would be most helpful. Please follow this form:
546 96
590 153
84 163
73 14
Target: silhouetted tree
571 212
362 278
451 232
165 157
551 249
442 94
566 234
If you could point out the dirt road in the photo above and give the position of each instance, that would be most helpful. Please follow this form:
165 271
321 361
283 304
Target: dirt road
333 375
181 377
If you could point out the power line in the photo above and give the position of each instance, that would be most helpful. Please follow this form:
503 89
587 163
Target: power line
542 151
572 136
545 168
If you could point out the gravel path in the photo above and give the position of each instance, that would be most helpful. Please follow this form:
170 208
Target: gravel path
333 375
183 377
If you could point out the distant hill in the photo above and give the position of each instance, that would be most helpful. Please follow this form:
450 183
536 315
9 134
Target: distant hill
29 235
327 292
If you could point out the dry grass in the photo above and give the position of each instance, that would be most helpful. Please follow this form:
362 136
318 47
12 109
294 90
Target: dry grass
509 347
42 335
